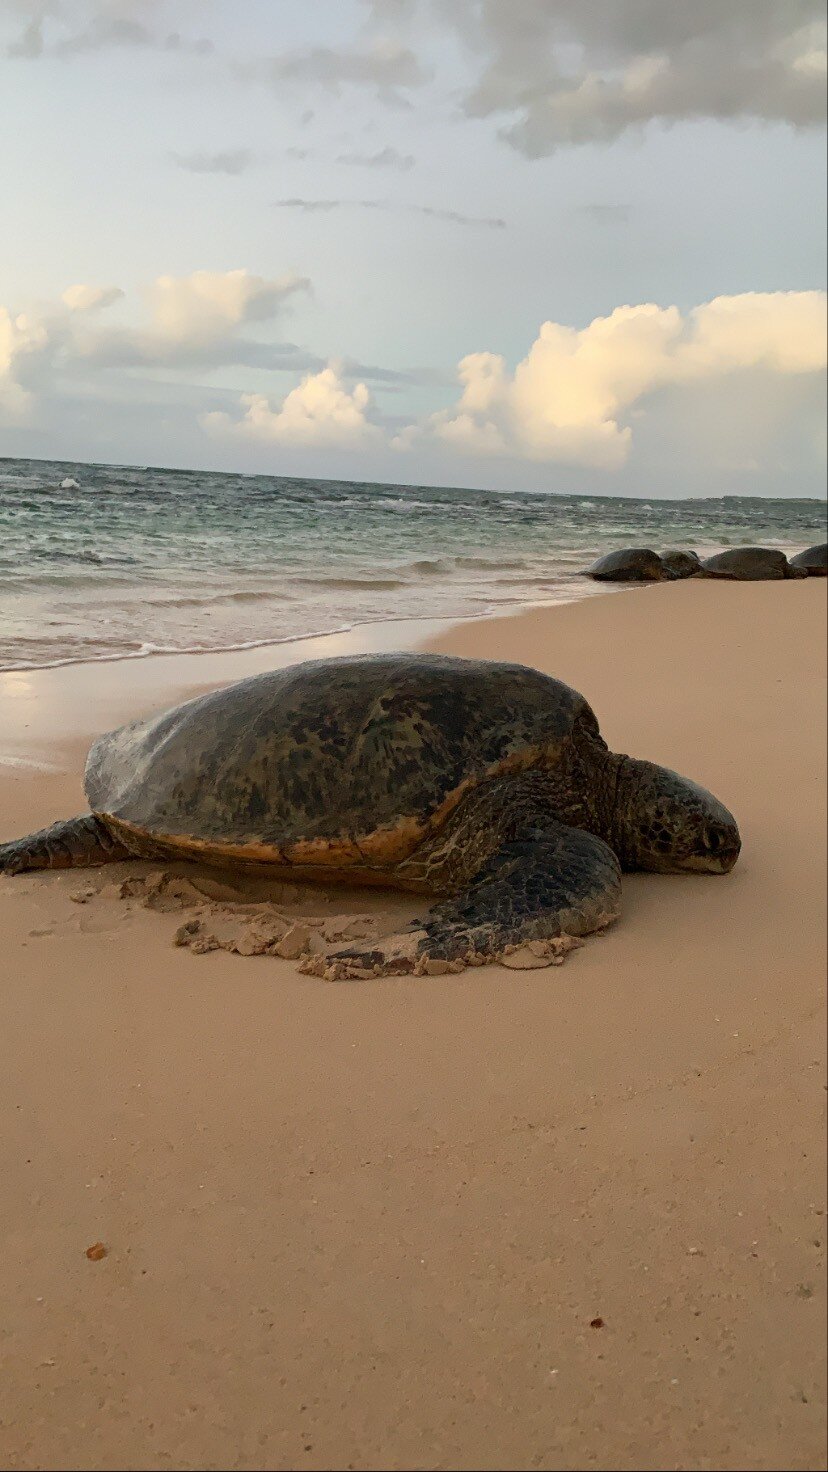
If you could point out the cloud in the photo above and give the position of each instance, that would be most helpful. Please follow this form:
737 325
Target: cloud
568 399
67 28
24 350
29 43
82 298
324 206
199 322
212 301
490 222
577 395
232 161
319 413
738 372
579 71
196 321
385 67
386 158
312 206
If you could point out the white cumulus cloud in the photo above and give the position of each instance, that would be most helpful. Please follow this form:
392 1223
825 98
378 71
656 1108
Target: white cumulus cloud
568 400
25 354
195 321
82 298
208 304
320 412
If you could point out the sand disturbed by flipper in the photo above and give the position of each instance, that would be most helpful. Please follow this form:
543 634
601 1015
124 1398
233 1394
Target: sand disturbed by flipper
351 1193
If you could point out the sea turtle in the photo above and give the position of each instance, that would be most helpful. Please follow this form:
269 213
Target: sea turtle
485 784
678 564
748 565
629 565
813 561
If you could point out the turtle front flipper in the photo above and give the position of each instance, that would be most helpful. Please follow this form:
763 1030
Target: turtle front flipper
546 882
77 843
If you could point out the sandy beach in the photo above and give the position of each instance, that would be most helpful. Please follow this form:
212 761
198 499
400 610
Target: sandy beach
554 1219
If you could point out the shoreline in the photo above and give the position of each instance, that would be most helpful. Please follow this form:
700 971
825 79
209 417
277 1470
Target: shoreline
159 652
373 1224
77 689
129 565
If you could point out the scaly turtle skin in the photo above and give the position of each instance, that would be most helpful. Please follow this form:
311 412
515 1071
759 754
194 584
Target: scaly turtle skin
748 565
486 784
813 561
629 565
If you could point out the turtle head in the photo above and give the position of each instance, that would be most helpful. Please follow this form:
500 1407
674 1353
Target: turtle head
668 824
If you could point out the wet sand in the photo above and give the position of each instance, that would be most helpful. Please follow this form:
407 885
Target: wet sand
370 1225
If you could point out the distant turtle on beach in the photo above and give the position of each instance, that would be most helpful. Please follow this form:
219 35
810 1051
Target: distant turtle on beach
628 565
678 564
749 565
813 561
487 785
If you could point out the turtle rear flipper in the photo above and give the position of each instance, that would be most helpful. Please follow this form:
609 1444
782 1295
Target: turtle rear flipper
548 881
77 843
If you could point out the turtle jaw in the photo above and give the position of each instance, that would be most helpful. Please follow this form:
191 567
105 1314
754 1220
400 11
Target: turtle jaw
698 862
719 862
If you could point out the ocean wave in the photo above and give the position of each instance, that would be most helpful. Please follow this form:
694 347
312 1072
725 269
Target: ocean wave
64 583
148 648
399 503
427 567
145 561
85 556
205 600
434 566
344 583
487 564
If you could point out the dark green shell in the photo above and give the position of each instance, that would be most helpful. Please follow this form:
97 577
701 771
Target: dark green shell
747 565
329 749
814 560
680 564
629 565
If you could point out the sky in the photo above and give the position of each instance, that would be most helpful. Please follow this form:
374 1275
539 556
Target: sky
555 245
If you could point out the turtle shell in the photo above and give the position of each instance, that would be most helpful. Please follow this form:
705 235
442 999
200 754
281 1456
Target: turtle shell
680 564
331 762
814 560
628 565
747 564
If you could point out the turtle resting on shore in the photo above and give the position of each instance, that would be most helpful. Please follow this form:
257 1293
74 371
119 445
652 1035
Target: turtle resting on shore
679 564
628 565
749 565
813 561
486 785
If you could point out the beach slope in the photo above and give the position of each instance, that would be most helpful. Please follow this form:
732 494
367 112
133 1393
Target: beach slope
562 1218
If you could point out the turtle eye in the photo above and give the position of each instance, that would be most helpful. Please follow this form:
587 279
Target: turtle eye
714 839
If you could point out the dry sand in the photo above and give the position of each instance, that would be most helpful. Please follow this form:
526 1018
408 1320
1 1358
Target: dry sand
369 1225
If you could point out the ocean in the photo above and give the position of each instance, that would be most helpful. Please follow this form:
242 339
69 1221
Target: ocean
114 562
